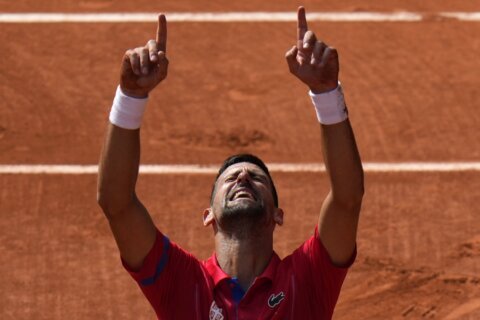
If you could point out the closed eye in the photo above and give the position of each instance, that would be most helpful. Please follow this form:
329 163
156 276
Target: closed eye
259 178
230 179
254 176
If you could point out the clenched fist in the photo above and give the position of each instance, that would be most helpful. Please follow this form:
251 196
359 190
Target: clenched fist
311 60
143 68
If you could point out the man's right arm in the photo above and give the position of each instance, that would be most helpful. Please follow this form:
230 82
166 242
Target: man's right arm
317 65
142 69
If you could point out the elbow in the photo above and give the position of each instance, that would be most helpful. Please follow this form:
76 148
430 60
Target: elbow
351 204
357 190
103 202
353 201
102 192
113 204
358 197
350 197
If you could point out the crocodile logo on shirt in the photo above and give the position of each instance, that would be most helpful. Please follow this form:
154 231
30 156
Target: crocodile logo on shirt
215 312
275 299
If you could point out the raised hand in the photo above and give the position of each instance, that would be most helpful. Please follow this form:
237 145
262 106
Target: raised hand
143 68
311 60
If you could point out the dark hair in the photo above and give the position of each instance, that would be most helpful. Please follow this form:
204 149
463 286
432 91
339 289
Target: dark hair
245 157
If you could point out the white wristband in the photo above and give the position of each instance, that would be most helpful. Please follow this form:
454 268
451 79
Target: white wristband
127 112
330 106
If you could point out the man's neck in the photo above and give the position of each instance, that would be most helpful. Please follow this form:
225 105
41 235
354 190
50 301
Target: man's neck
244 258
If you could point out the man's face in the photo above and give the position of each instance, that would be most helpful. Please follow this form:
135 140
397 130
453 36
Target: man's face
243 192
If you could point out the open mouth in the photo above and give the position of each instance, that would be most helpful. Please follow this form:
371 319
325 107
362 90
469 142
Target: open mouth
242 193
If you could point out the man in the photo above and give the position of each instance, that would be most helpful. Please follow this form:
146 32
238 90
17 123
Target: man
244 279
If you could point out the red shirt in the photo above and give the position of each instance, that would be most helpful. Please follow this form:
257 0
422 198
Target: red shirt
304 285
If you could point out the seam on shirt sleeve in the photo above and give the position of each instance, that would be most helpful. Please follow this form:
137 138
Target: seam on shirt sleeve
160 265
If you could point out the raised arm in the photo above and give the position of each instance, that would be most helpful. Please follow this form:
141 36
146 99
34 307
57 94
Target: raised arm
142 69
316 64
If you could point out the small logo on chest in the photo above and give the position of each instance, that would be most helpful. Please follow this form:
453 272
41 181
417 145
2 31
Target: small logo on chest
215 312
275 299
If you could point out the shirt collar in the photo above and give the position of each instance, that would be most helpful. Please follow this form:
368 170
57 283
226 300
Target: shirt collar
218 274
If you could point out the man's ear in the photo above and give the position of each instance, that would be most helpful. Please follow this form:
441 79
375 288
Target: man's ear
207 217
278 216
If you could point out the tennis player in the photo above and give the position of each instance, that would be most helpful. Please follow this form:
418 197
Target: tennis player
244 278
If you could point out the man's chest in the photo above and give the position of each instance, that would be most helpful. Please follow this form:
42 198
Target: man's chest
264 300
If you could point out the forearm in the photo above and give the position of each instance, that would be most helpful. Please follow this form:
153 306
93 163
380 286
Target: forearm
343 163
118 169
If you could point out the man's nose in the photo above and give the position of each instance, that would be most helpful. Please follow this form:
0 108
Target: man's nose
243 176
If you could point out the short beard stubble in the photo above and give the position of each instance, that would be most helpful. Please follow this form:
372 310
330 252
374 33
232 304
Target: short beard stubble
242 219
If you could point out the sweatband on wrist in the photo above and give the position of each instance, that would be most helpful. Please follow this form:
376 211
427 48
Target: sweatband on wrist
127 112
330 106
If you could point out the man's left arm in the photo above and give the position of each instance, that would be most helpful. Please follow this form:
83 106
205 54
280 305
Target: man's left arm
317 65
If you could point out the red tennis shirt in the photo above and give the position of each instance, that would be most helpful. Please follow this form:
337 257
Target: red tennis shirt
304 285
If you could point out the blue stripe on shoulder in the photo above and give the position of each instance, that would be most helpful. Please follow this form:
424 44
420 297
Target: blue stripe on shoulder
160 266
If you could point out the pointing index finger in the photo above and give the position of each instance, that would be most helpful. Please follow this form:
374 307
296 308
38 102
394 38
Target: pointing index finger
162 33
302 27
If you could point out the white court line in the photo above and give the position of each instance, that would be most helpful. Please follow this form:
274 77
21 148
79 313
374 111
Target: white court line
273 167
463 16
230 17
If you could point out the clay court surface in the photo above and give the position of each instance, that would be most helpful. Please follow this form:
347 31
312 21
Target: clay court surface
413 95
